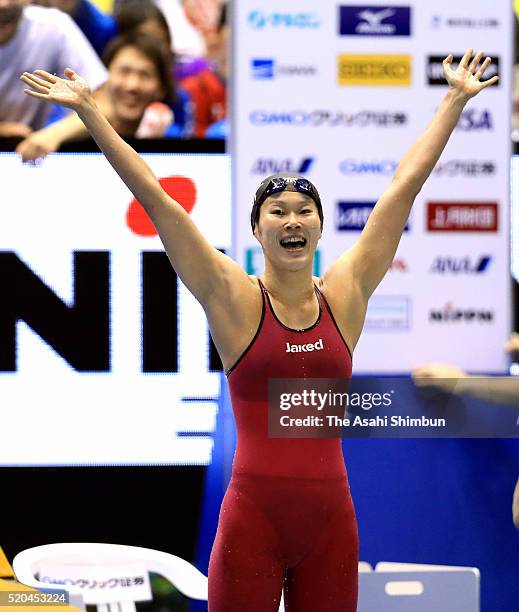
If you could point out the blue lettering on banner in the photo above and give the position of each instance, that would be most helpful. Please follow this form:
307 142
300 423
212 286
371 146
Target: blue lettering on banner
473 119
322 117
259 20
353 216
461 265
266 166
262 68
385 167
375 21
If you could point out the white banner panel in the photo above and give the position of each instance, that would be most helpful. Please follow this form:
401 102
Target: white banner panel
340 92
79 387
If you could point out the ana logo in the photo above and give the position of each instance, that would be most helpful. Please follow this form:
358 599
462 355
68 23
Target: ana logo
265 166
385 167
259 20
435 69
463 167
353 216
375 21
461 265
374 70
269 69
472 119
388 313
320 118
451 314
180 188
462 217
305 348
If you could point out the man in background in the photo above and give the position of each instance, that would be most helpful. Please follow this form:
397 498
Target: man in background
35 37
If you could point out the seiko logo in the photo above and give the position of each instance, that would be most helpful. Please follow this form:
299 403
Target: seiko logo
305 348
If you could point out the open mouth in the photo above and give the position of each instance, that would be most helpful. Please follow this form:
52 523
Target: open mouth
293 243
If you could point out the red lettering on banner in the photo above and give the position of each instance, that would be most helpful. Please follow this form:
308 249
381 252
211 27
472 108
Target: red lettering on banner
180 188
462 216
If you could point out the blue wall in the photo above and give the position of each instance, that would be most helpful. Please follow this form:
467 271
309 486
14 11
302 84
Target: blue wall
444 501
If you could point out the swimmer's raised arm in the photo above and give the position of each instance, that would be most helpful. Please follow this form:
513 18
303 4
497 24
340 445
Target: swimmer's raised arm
202 268
371 256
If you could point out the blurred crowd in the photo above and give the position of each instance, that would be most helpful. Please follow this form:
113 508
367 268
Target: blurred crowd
158 68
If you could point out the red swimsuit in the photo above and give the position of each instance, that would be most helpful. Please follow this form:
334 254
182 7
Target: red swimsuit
287 518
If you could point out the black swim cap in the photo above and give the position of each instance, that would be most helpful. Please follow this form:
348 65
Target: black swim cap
279 182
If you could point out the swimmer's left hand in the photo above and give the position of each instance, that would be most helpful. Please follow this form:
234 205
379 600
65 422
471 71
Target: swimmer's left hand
466 78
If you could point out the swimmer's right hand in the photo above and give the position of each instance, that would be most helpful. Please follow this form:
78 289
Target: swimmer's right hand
72 91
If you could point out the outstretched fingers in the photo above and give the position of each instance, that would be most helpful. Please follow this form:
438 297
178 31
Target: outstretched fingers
34 84
475 62
466 58
491 81
51 78
483 67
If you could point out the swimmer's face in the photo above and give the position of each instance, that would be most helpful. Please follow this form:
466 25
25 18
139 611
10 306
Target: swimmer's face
133 83
289 229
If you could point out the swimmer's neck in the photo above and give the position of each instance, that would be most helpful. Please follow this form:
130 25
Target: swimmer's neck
291 287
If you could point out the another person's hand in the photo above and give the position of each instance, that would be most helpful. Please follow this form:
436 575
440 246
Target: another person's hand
512 344
38 145
466 78
11 129
71 92
440 375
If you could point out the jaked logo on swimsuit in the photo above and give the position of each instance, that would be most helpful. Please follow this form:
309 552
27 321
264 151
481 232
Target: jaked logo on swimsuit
305 348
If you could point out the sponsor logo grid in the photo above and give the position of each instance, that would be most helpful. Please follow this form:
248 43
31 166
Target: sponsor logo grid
381 95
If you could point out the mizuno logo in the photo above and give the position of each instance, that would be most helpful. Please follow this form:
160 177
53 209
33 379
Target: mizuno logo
305 348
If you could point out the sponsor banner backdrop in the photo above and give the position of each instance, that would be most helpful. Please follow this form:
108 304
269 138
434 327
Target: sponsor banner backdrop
339 93
105 355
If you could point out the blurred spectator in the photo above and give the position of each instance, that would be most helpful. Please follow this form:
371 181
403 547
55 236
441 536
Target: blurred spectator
35 37
139 76
208 89
148 17
203 14
187 40
95 25
144 16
